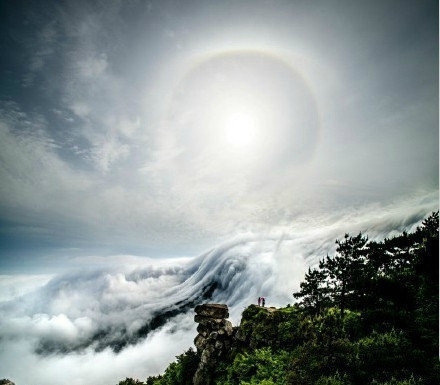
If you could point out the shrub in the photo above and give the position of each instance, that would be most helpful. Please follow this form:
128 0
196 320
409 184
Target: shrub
385 355
333 380
180 372
261 366
130 381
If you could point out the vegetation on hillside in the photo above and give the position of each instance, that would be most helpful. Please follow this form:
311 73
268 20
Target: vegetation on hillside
366 316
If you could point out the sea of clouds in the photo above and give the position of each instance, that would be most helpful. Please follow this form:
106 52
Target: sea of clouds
129 316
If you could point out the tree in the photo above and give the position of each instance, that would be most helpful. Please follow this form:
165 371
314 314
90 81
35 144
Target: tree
346 271
339 280
313 291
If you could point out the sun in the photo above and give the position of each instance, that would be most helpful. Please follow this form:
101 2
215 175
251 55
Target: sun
240 129
245 110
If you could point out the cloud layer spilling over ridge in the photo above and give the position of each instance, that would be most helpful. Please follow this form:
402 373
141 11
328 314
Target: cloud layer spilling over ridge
117 314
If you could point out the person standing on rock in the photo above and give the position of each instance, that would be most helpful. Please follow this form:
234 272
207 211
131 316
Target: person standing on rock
259 301
263 301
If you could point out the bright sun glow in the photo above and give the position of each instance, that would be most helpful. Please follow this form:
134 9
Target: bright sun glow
240 129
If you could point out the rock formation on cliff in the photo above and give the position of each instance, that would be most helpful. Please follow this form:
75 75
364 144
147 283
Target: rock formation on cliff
214 338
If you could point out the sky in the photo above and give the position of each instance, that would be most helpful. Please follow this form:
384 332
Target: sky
152 152
163 128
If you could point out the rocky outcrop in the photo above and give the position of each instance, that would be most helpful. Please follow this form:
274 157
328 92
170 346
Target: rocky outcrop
214 339
212 310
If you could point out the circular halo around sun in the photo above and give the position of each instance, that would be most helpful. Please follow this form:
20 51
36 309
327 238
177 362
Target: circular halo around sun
243 108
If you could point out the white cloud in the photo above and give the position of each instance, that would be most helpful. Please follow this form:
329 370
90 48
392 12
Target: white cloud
110 151
92 67
33 175
80 109
136 157
74 314
151 356
13 286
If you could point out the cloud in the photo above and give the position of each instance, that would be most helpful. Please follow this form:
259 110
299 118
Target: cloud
150 356
118 312
41 49
132 157
31 167
115 145
92 67
13 286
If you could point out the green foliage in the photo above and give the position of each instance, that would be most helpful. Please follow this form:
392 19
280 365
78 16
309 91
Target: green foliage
313 360
393 381
385 355
280 329
261 366
366 316
130 381
333 380
391 289
314 292
180 372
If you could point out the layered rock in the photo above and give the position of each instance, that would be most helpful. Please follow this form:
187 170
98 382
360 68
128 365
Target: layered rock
214 338
212 310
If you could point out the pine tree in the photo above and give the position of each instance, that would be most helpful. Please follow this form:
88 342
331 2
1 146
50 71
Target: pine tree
346 275
313 291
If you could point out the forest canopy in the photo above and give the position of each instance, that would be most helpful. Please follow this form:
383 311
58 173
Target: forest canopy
367 315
